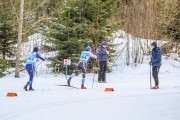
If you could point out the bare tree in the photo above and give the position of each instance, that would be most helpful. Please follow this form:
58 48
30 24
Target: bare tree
19 38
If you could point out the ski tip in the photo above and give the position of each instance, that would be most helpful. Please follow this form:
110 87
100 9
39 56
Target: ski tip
67 86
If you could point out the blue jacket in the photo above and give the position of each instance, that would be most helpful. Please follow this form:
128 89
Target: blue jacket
156 57
32 58
85 55
102 53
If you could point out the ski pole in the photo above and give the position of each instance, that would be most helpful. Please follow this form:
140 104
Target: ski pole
93 79
93 75
150 76
150 71
25 67
38 64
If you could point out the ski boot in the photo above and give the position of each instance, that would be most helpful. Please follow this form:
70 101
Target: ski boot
69 81
25 88
82 87
103 81
99 81
31 89
155 87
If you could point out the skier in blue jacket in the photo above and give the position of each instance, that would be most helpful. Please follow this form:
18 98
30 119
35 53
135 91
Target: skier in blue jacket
30 67
156 59
85 55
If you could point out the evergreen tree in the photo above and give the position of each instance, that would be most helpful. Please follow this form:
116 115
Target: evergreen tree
7 37
78 24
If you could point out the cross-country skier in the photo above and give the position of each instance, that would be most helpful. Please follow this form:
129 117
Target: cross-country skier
30 67
102 57
156 63
85 55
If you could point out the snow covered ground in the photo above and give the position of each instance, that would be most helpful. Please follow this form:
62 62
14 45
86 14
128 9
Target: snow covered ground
131 100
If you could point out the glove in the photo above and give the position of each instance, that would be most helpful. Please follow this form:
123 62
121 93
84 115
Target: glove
96 69
150 63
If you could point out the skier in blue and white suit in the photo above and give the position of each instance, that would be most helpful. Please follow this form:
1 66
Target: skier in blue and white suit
85 55
30 66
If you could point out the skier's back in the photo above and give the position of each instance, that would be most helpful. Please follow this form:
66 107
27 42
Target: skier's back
30 66
85 55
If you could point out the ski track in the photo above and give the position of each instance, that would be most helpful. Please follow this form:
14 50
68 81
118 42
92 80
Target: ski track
11 115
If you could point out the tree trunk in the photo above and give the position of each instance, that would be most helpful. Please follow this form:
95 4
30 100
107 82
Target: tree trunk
19 39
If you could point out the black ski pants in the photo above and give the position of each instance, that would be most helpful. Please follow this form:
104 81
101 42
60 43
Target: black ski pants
102 71
155 72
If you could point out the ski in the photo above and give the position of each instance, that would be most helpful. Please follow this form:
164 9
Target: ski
68 86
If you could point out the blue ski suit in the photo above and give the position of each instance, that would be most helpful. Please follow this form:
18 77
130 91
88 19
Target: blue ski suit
30 66
85 55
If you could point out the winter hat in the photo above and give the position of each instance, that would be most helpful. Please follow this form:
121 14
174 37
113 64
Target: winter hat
88 48
105 43
154 44
35 49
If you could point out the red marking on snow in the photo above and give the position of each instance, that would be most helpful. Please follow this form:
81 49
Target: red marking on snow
10 94
109 89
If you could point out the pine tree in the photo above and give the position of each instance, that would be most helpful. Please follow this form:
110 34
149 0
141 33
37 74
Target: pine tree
78 24
7 37
63 33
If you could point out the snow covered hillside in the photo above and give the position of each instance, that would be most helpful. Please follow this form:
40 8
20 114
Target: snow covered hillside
131 100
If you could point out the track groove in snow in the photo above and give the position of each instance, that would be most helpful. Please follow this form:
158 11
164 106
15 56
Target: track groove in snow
40 107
